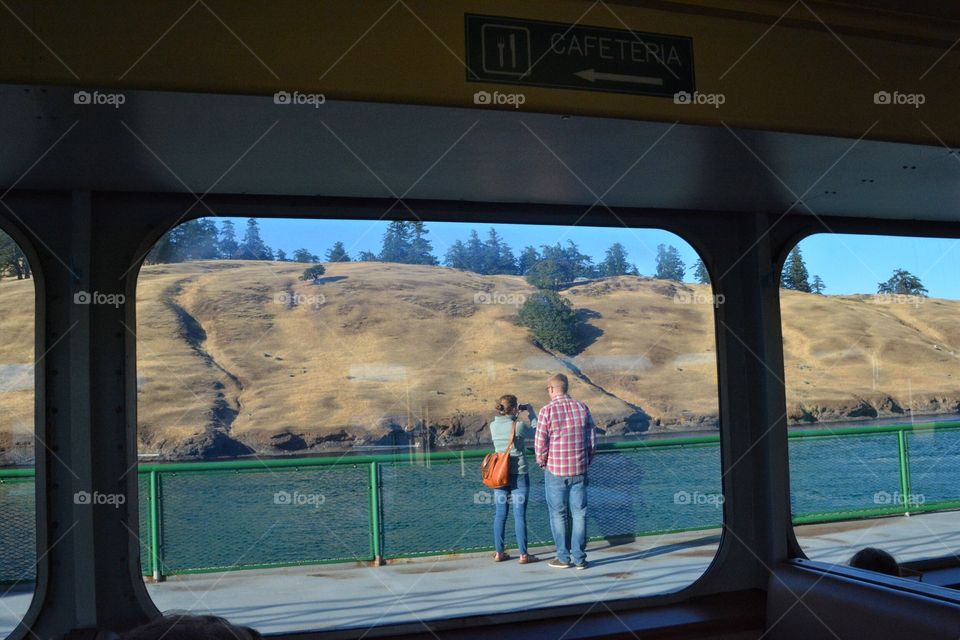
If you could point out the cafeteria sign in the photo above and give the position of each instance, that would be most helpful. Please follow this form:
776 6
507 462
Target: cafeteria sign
568 56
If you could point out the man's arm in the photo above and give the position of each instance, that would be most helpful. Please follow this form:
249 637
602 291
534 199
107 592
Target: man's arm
591 437
541 442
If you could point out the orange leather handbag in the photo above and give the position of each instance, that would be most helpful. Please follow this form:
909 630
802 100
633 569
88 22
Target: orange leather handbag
495 470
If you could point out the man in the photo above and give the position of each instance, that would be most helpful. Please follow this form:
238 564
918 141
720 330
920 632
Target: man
565 444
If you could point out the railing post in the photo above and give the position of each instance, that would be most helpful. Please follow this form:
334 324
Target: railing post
156 565
904 465
375 532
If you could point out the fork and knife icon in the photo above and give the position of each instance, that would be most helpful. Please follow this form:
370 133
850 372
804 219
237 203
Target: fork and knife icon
513 50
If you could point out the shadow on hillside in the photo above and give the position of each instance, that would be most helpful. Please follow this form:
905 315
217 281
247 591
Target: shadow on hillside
588 332
329 279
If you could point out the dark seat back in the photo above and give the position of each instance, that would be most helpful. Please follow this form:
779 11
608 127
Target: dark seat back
808 600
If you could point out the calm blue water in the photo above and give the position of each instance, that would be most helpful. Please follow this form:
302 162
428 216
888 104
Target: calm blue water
306 516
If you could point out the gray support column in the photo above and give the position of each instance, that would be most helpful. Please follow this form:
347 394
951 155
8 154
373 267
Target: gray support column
78 343
122 600
753 410
86 448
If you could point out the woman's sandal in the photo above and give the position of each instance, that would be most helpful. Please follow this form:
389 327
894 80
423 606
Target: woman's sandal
528 559
500 557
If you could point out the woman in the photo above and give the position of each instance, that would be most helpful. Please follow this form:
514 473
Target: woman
519 487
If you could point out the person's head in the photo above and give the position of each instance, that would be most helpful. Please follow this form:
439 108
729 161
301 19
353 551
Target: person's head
507 405
557 385
190 627
873 559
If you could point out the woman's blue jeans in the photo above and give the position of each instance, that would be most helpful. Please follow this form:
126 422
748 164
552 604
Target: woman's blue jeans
515 494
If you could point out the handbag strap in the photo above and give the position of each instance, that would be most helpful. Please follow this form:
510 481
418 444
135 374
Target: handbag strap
513 433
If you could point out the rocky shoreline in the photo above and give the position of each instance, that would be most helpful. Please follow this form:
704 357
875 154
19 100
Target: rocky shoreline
471 431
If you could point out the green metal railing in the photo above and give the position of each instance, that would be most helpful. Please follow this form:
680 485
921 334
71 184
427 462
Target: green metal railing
391 521
902 501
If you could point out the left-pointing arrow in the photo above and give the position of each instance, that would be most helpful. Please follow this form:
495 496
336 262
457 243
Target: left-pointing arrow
591 75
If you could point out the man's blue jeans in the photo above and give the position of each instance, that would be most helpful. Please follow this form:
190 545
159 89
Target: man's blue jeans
515 494
567 495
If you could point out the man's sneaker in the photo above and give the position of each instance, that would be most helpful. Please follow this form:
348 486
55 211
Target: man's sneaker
557 563
581 565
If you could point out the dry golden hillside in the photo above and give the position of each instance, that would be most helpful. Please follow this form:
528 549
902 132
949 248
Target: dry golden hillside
370 353
238 356
17 322
869 356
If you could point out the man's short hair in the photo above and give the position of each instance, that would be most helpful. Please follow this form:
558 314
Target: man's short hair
190 627
561 381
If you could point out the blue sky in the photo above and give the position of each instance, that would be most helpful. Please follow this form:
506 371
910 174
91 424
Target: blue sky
855 264
847 263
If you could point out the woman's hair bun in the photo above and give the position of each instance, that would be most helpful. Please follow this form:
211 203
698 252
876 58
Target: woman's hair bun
507 405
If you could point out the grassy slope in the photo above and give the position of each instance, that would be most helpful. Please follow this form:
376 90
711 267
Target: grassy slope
16 348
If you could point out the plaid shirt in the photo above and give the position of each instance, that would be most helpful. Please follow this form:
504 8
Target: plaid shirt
566 438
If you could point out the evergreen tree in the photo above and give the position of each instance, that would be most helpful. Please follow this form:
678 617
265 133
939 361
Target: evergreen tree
420 250
456 256
795 276
13 262
528 258
280 255
395 246
253 247
497 256
195 240
406 242
818 286
313 273
552 321
547 274
6 253
581 263
475 252
669 264
559 266
227 244
615 263
337 253
700 272
570 261
367 256
902 282
302 255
